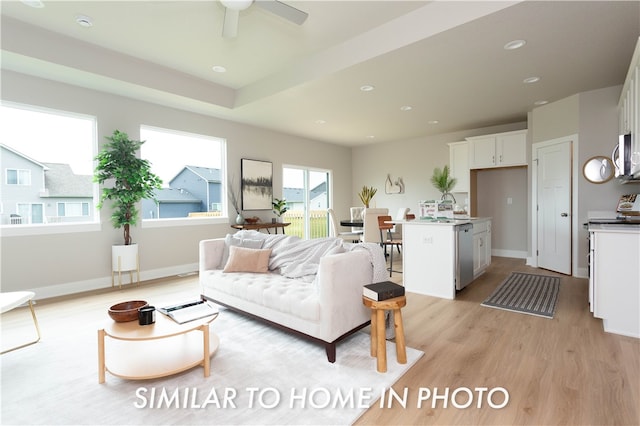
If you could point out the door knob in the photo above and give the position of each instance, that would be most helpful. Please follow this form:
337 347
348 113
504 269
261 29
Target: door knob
564 214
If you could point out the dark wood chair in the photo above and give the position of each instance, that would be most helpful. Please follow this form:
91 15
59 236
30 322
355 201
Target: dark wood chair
387 240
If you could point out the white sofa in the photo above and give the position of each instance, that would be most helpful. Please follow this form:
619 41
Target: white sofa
326 307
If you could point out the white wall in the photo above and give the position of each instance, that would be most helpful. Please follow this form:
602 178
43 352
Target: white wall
63 263
496 188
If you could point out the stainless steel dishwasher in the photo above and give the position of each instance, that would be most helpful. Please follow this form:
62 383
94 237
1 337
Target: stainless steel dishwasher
464 255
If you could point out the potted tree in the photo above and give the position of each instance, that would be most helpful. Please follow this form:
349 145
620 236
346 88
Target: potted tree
279 207
133 180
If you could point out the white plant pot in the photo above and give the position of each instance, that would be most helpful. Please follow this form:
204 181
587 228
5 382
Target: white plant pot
124 258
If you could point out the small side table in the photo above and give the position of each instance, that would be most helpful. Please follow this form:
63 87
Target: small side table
378 341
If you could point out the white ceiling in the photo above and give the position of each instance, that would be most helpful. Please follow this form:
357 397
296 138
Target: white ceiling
443 58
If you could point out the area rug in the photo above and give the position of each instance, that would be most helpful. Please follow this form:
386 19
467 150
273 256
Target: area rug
526 293
259 375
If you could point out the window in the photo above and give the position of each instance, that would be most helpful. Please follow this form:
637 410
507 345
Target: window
307 195
29 214
73 209
191 167
47 161
18 177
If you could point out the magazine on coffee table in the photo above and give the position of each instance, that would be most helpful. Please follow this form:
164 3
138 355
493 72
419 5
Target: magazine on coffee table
189 311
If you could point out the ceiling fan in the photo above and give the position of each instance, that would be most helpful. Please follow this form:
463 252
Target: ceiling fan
232 9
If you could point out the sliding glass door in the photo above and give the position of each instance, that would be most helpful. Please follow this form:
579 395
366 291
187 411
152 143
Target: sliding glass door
307 194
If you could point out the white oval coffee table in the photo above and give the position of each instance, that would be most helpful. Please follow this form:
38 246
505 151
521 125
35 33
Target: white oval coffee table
133 351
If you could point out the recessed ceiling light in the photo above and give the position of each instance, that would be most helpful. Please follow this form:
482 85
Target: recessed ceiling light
514 44
406 108
432 122
321 121
367 88
33 3
371 137
218 68
538 103
530 80
84 21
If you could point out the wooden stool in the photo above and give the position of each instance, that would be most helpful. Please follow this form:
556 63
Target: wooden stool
378 341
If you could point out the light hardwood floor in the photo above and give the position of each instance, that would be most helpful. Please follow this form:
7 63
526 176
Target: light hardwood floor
564 370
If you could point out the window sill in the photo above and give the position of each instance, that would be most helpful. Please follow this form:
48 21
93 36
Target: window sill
47 229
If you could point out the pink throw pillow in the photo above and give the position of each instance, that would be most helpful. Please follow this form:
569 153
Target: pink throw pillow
243 259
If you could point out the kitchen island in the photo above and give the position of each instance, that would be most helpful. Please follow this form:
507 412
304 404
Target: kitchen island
435 262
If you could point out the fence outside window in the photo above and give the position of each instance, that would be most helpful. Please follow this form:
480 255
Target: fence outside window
318 223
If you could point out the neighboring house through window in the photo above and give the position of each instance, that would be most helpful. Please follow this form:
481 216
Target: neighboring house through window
46 158
191 169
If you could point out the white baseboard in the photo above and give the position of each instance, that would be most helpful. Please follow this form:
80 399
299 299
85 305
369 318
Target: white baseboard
517 254
578 273
65 289
581 273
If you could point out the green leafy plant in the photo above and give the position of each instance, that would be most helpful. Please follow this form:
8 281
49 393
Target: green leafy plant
443 181
279 206
133 180
366 194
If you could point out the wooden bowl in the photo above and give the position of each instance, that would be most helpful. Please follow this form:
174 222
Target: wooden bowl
252 220
126 311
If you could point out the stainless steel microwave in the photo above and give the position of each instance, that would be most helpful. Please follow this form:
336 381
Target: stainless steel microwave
621 156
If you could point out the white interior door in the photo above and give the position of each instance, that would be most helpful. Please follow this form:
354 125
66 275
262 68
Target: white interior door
554 207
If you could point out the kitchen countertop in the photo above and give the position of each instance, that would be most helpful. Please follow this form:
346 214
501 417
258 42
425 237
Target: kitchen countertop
631 228
443 222
630 224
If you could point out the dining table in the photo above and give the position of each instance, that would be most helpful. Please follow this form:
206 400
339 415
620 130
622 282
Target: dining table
354 223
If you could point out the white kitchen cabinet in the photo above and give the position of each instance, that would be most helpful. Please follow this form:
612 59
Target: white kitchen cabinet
498 150
481 246
614 285
629 109
459 165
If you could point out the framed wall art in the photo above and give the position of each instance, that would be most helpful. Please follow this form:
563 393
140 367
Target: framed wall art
257 184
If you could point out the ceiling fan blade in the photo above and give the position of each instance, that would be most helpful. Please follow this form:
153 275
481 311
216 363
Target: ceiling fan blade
230 25
283 10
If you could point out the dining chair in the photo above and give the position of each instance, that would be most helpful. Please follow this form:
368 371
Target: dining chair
347 236
387 240
371 232
356 213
